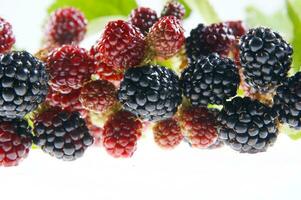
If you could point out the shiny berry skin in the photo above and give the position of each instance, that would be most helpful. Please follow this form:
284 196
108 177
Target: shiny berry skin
247 126
109 73
121 133
199 126
23 85
173 8
210 80
98 96
69 68
7 38
167 133
66 26
15 142
69 102
121 45
265 58
287 101
151 92
143 18
61 134
166 37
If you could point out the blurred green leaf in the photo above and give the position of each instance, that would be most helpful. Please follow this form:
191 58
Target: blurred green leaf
292 133
293 10
278 21
97 8
97 25
187 8
205 9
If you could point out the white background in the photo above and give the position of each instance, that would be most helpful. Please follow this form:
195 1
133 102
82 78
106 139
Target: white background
151 174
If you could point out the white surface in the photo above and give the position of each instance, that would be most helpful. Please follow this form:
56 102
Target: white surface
152 174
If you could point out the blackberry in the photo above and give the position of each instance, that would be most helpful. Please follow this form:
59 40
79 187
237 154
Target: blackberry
151 92
143 18
248 126
204 40
15 141
62 134
287 101
265 57
210 80
173 8
23 84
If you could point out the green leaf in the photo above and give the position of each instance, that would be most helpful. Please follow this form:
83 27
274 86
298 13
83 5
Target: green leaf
205 9
97 8
187 8
293 10
278 21
292 133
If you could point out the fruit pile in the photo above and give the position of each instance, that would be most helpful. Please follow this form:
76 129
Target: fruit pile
65 98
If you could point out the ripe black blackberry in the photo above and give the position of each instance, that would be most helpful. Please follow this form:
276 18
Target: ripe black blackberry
247 126
204 40
287 101
265 57
23 84
62 134
151 92
210 80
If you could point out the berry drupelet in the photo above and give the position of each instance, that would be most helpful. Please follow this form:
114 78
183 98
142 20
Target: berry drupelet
166 37
247 126
210 80
69 67
15 142
121 133
287 101
61 134
151 92
143 18
7 38
265 57
66 26
23 85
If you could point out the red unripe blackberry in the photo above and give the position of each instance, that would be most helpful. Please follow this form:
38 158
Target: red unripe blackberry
143 18
69 68
199 126
167 133
15 142
166 37
7 38
121 45
69 102
98 96
120 134
173 8
95 131
66 26
238 28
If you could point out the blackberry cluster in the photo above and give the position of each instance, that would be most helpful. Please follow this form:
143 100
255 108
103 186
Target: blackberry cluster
248 126
265 58
287 101
62 134
151 92
23 84
210 80
143 18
